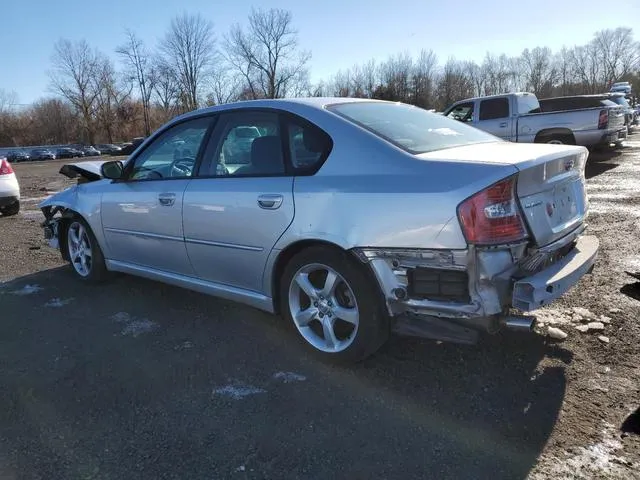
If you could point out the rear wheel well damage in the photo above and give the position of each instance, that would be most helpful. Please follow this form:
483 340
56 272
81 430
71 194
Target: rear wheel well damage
285 256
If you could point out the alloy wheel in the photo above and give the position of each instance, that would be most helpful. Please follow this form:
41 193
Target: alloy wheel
324 308
79 246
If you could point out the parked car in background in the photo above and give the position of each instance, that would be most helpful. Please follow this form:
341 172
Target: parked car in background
629 112
384 213
42 154
18 156
67 152
9 189
90 151
517 117
108 149
130 147
624 87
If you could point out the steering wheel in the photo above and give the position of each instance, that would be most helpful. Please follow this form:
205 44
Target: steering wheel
182 167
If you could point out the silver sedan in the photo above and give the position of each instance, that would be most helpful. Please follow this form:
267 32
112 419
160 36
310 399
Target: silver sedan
347 217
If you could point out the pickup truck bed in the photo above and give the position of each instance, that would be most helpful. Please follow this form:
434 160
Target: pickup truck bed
517 117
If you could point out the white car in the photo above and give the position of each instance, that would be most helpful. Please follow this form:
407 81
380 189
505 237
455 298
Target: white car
9 189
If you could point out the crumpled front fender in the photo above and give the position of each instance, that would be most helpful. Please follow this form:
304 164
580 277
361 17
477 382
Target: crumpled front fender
66 198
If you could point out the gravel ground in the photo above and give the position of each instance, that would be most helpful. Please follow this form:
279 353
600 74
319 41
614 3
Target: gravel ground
136 379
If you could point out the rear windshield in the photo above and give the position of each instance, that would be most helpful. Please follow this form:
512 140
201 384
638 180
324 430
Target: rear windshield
410 128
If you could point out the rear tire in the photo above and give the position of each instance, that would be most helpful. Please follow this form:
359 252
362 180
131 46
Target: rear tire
557 140
84 252
10 210
334 304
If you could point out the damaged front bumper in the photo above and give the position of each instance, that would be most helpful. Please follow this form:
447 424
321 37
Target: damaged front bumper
475 288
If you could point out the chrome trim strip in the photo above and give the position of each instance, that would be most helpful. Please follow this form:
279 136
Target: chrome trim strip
235 294
143 234
223 245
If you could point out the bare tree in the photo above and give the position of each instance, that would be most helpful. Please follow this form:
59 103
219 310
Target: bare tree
110 96
538 71
225 87
266 55
455 84
7 100
75 66
166 88
140 69
617 52
189 49
423 79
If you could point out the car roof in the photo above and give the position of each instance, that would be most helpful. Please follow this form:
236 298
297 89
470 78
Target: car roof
280 103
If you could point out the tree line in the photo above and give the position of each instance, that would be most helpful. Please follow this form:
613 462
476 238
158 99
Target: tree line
95 99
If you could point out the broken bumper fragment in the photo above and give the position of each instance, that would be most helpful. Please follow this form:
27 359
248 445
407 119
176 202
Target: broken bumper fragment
544 287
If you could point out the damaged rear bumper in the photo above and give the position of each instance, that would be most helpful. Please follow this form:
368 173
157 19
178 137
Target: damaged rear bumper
497 279
544 287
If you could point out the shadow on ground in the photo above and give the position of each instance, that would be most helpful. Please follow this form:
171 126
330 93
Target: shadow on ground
631 290
600 162
84 397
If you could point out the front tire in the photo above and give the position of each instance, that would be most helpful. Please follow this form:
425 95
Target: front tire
11 210
334 304
85 255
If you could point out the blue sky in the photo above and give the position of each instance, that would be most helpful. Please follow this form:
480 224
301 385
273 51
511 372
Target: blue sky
339 33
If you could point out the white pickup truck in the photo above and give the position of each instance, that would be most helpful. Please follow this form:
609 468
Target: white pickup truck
517 117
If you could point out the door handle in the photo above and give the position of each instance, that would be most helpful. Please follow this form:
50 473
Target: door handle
167 199
503 124
270 201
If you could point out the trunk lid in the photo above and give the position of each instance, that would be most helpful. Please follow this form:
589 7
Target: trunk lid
551 183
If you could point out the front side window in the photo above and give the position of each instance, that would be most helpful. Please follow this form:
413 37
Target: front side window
462 112
250 144
173 154
410 128
494 108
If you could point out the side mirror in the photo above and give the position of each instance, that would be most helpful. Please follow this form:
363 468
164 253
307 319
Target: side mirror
112 170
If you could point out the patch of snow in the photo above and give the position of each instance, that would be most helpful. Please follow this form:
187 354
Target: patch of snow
603 339
121 317
58 302
28 290
556 333
288 377
237 391
184 346
138 327
595 460
595 326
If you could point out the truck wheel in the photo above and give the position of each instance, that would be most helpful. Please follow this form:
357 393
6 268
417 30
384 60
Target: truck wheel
559 140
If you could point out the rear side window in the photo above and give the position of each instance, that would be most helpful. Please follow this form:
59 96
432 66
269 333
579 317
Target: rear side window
494 108
308 145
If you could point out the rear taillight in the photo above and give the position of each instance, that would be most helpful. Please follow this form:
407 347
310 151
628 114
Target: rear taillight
603 119
5 167
492 216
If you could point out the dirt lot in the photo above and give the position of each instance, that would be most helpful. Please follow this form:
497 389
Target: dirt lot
135 379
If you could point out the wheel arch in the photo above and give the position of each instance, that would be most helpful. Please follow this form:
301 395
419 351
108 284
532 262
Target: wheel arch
287 253
549 133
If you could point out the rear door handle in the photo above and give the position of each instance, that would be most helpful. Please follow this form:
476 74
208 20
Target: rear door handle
503 124
167 199
270 201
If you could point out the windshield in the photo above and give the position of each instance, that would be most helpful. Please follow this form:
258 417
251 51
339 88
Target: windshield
411 128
